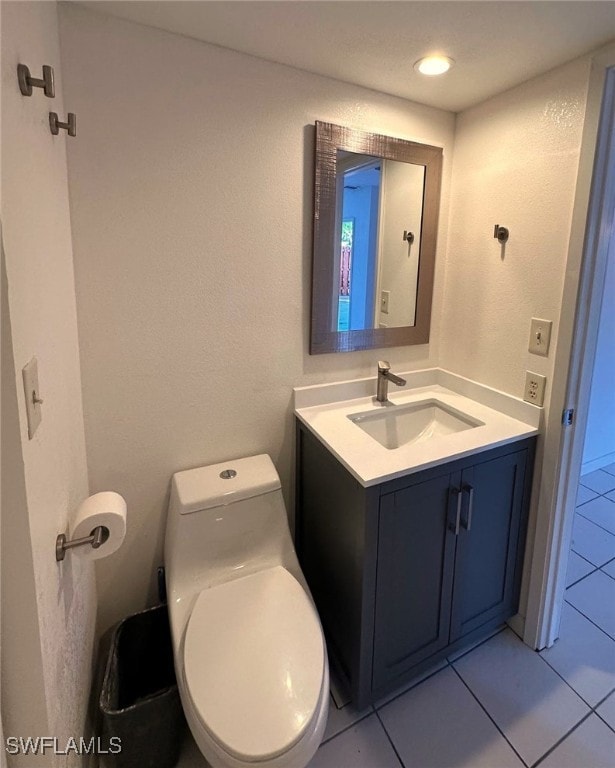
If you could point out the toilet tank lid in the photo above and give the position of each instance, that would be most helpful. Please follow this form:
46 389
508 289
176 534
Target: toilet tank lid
221 484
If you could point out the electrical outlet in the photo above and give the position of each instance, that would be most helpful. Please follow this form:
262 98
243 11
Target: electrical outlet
384 302
540 336
534 388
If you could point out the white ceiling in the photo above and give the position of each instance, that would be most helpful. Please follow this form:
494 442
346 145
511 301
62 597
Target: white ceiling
375 43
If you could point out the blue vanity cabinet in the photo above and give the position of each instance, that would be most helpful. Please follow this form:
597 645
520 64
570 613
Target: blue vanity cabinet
414 577
488 557
449 558
408 571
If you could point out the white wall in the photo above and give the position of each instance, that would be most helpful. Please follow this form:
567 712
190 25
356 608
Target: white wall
41 302
401 209
599 449
21 662
191 201
516 162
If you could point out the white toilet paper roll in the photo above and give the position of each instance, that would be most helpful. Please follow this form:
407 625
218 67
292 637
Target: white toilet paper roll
107 509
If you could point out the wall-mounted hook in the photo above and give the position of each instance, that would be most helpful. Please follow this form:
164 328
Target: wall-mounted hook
70 125
27 82
408 237
500 233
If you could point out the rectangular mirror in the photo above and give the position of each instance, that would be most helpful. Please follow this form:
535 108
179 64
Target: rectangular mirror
375 226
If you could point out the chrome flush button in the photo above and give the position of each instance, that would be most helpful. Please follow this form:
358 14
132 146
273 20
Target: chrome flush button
228 474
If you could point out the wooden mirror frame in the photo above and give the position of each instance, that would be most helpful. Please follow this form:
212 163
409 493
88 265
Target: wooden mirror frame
329 139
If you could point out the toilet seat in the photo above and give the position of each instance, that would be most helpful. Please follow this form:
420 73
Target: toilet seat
254 663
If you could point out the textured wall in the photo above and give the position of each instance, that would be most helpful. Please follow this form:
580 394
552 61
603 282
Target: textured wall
515 164
191 202
22 701
41 297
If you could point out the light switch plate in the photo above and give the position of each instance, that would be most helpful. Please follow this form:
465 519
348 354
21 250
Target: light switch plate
534 388
384 302
540 336
33 398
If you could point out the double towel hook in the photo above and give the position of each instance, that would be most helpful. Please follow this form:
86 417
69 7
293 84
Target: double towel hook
27 82
26 85
70 125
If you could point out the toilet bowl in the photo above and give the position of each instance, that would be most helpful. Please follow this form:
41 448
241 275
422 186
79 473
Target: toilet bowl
250 656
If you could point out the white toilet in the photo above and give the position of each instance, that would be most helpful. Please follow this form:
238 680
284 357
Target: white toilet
250 655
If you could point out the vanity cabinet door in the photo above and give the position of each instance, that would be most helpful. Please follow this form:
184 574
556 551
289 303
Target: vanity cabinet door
488 543
416 553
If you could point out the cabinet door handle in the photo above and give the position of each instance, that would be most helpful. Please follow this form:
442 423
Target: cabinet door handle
455 528
467 524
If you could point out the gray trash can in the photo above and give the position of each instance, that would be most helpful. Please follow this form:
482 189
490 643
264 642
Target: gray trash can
139 700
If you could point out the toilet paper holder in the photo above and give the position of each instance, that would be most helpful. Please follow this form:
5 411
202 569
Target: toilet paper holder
99 535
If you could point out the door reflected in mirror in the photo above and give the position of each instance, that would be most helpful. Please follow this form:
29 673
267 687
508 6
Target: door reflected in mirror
379 208
375 224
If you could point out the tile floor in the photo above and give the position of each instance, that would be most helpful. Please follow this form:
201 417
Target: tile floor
502 705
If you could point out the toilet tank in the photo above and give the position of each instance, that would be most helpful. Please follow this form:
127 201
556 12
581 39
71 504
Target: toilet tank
225 521
217 485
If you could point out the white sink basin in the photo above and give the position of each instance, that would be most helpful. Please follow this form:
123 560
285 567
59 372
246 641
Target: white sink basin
436 418
418 422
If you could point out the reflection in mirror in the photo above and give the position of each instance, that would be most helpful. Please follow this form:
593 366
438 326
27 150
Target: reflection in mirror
375 223
379 207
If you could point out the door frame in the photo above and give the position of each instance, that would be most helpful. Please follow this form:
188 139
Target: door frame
592 222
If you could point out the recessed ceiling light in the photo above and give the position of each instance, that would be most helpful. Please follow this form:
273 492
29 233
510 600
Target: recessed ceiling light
434 65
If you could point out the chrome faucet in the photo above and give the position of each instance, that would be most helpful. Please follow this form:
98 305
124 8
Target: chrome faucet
384 376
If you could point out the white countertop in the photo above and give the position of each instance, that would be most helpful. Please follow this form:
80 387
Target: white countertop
504 418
